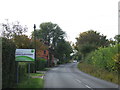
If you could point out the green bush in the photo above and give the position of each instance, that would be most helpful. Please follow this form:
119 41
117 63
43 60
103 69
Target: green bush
22 70
41 64
99 72
8 63
104 58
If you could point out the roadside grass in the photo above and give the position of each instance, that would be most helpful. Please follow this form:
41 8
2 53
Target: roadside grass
46 69
32 82
36 74
98 72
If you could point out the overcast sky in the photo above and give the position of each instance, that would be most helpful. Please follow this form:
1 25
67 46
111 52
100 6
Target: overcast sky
73 16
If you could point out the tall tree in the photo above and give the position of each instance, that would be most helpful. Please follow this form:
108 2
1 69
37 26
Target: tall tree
52 35
89 41
63 50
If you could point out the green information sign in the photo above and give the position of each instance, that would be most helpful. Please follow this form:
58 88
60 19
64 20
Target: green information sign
25 55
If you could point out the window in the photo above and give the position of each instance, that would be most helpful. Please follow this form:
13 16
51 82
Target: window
44 51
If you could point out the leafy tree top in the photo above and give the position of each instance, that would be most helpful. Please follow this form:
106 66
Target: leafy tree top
92 37
89 41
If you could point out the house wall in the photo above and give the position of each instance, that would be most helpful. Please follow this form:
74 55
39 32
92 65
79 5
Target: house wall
43 54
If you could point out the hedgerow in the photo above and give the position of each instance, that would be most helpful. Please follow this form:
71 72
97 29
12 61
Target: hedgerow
41 63
106 58
8 63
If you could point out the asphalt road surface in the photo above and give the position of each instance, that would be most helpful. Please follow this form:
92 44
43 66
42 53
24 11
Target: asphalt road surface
68 76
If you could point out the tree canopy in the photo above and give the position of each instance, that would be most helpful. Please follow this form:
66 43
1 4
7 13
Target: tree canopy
50 33
53 36
89 41
63 50
22 41
12 29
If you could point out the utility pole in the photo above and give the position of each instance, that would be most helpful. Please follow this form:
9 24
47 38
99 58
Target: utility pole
35 44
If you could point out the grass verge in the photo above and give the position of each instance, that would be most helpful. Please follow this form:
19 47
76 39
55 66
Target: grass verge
98 72
32 82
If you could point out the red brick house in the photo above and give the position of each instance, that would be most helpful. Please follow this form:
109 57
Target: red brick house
43 54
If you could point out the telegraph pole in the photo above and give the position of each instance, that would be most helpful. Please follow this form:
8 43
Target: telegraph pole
35 44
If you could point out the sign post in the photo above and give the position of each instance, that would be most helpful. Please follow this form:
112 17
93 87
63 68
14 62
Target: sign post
35 44
28 70
17 71
24 55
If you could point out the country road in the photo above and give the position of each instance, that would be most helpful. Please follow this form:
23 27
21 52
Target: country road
68 76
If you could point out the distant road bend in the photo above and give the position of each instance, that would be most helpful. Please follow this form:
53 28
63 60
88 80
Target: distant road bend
68 76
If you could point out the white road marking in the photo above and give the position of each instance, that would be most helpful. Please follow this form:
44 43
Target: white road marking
88 87
85 85
78 81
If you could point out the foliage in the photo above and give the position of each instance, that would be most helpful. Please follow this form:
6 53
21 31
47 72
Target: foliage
32 82
8 63
22 71
63 50
41 64
116 58
53 36
86 48
104 58
117 38
89 41
11 29
77 56
92 37
22 41
112 42
98 72
49 33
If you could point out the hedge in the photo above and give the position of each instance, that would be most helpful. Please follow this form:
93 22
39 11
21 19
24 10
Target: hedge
8 63
106 58
41 64
22 71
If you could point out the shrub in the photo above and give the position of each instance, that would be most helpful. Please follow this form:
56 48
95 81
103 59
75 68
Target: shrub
104 58
22 70
41 64
8 63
